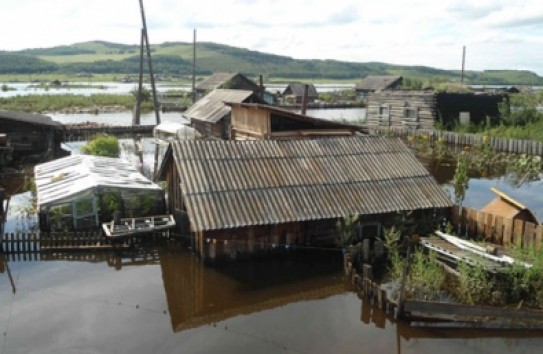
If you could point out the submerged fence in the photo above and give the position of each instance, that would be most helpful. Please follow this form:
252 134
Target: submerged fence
496 229
513 146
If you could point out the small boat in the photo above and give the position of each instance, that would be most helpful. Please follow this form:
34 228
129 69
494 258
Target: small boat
138 226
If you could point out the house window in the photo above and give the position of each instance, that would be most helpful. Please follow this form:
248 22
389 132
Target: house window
384 111
411 113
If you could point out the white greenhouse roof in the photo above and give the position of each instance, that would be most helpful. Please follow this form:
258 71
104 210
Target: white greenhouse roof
63 178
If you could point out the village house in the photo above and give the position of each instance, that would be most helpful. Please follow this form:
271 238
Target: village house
424 109
246 197
252 121
506 207
80 192
210 116
27 138
377 83
230 81
294 93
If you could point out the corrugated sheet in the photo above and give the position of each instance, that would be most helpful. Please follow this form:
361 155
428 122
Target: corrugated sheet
214 81
298 90
229 184
211 108
63 178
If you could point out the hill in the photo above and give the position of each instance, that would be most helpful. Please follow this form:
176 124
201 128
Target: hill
175 59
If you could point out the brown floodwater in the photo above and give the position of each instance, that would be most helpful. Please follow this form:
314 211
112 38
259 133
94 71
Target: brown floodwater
164 300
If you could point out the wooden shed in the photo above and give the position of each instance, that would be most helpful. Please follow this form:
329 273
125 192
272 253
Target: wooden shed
294 93
230 81
262 122
28 138
244 197
507 207
210 116
422 109
377 83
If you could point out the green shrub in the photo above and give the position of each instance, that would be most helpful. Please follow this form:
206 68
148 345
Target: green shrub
102 145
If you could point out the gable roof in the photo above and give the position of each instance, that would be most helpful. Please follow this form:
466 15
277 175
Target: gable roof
377 83
298 90
212 108
63 178
217 80
31 118
231 184
507 207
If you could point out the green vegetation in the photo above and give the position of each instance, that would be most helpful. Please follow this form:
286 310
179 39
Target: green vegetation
175 58
52 103
102 145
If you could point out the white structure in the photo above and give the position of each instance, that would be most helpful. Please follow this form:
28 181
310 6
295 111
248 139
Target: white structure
80 191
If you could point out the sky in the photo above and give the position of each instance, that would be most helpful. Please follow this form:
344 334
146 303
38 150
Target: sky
498 34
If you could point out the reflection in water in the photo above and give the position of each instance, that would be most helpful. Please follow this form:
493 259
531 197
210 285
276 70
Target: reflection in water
199 294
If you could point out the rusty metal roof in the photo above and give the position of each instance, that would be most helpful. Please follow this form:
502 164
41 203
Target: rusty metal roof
212 108
231 184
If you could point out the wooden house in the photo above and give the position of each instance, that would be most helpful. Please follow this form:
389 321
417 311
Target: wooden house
81 191
230 81
507 207
294 93
245 197
251 121
28 138
422 109
377 83
210 116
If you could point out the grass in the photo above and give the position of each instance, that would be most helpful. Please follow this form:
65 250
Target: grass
51 103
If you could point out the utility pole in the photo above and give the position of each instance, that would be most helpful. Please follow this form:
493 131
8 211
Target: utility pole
463 63
151 73
194 67
137 112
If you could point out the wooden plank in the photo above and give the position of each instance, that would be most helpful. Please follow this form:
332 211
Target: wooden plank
507 231
435 308
472 222
489 227
528 236
498 230
538 236
518 229
481 217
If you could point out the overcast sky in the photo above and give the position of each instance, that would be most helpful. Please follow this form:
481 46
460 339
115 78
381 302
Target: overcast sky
498 34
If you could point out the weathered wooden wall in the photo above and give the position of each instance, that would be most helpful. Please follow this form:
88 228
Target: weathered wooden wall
496 229
397 101
249 124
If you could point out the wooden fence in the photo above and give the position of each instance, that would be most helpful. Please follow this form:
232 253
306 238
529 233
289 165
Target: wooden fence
496 229
514 146
13 243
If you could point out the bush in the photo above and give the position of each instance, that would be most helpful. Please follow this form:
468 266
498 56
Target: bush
102 145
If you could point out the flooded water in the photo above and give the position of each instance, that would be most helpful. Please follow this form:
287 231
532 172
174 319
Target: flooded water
162 299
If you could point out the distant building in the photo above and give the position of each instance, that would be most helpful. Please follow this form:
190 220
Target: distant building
230 81
422 109
210 115
294 93
377 84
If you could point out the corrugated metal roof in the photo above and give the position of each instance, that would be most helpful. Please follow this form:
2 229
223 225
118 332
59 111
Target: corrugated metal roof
31 118
376 83
212 108
230 184
215 80
63 178
298 90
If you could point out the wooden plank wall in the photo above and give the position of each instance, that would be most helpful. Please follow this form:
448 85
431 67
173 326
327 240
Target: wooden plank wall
513 146
397 101
476 224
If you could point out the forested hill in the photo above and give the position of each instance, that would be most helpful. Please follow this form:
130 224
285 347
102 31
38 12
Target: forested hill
175 59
